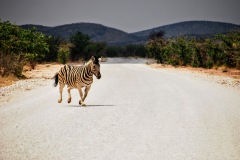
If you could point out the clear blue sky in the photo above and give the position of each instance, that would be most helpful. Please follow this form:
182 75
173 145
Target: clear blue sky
126 15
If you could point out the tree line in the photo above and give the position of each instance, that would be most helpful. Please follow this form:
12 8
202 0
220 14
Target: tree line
20 46
221 50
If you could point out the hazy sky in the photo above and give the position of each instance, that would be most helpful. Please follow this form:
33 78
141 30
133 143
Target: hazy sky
126 15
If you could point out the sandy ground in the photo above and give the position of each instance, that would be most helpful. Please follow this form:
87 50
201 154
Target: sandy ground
133 112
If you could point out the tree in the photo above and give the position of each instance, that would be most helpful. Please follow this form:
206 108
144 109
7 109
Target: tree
230 46
112 51
94 48
156 35
155 46
36 46
17 46
79 42
54 45
155 49
63 53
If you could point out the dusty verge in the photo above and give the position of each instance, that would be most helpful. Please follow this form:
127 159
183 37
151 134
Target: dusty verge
224 76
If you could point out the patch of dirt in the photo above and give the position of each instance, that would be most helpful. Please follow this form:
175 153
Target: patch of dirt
7 81
41 71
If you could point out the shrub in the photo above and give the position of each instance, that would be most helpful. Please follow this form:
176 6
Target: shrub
17 46
11 64
220 50
63 56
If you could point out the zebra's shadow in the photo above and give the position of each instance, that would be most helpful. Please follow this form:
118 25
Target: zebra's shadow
90 105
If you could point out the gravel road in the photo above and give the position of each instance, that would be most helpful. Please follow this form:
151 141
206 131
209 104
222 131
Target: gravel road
133 112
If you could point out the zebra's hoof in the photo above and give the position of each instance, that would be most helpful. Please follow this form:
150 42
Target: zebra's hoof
81 103
69 100
59 101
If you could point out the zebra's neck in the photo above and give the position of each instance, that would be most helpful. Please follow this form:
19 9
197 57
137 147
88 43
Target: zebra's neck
88 69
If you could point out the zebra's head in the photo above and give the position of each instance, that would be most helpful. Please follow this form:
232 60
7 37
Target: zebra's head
96 67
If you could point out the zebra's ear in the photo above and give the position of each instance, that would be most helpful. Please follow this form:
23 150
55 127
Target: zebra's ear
93 58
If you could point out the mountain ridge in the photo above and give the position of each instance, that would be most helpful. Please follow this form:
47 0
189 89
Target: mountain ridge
113 36
191 28
97 32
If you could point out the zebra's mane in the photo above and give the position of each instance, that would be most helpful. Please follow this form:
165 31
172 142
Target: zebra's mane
96 61
87 63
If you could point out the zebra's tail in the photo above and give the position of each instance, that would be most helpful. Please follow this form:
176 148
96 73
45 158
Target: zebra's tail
56 80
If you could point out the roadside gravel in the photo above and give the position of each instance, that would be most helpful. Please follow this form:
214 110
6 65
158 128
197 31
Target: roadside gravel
223 80
230 79
227 81
21 87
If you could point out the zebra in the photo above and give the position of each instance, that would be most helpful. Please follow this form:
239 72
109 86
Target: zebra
77 77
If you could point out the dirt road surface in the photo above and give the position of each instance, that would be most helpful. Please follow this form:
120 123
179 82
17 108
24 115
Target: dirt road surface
133 112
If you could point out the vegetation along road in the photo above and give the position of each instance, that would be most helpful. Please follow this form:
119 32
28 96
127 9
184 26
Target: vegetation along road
132 112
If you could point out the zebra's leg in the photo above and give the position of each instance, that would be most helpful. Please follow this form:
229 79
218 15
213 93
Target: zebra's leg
86 92
61 86
81 96
69 94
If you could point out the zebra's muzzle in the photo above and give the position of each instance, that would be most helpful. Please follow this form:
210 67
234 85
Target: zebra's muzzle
98 76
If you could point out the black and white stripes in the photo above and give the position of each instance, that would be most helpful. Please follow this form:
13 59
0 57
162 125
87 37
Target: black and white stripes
78 77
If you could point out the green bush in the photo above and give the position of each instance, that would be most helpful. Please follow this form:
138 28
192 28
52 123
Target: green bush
18 46
222 50
63 56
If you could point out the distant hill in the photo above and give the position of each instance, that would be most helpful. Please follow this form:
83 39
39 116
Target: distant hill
97 32
113 36
190 28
